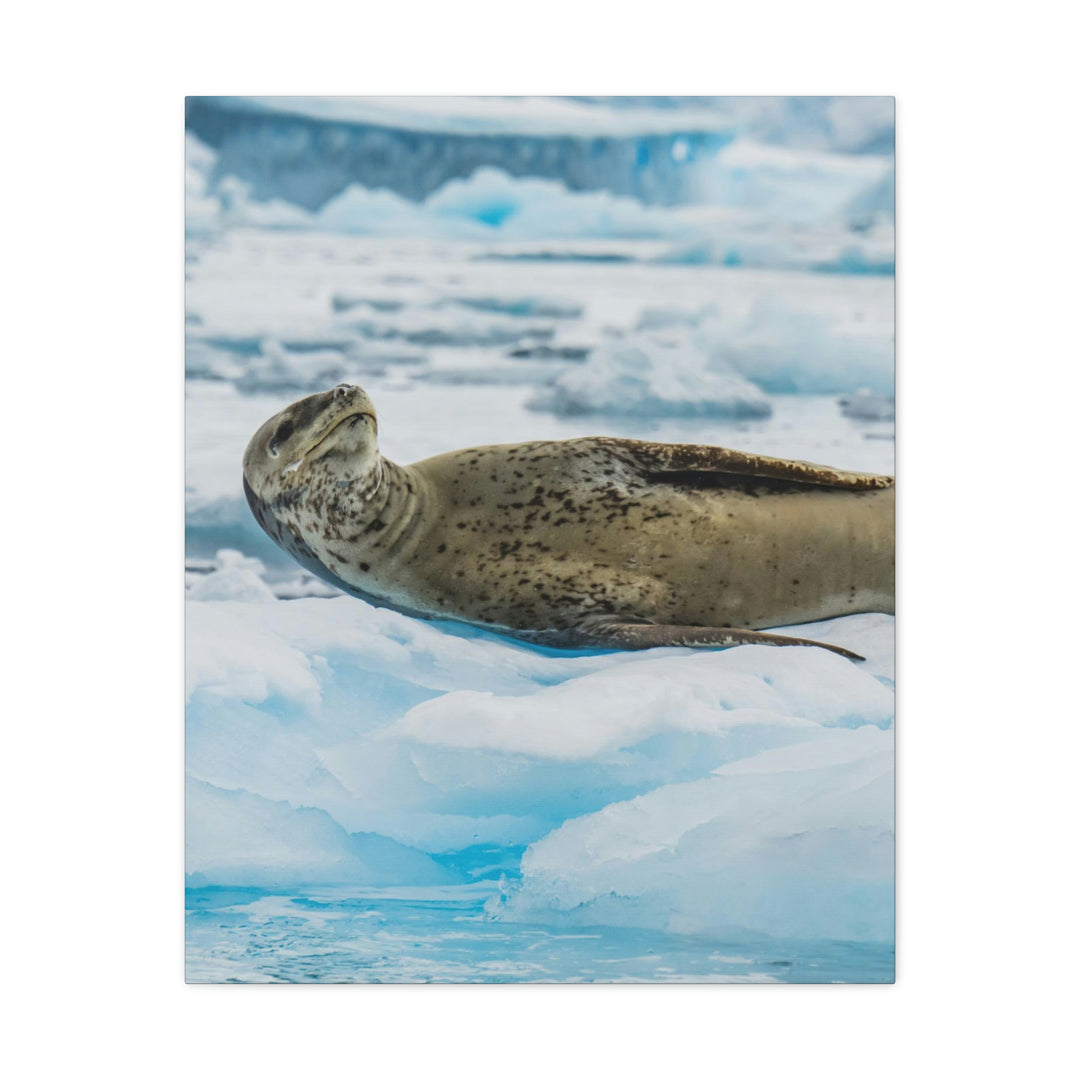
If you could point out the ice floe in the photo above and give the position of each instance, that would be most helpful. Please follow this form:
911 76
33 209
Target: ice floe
441 738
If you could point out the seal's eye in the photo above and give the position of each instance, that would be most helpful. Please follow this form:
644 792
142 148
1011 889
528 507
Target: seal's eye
282 433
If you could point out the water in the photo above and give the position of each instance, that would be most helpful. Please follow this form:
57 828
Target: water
441 934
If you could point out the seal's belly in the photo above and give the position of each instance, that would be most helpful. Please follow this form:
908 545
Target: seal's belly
759 561
667 554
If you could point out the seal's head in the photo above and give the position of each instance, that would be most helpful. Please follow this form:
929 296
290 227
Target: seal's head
334 430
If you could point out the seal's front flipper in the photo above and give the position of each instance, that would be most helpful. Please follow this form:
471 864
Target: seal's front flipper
631 634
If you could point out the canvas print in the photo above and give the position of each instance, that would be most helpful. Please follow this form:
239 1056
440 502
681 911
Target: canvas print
539 539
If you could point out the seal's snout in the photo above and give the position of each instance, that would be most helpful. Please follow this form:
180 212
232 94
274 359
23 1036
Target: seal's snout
347 403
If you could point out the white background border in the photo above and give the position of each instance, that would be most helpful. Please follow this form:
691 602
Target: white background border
92 469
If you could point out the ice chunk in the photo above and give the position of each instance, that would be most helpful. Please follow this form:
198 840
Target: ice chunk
344 301
530 206
232 576
651 378
302 585
789 346
540 307
794 842
236 838
787 349
664 318
864 404
571 353
426 326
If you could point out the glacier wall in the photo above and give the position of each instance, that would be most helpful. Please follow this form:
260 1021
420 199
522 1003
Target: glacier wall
307 151
306 159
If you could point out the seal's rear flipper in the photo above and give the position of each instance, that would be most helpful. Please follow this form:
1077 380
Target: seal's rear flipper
688 463
631 634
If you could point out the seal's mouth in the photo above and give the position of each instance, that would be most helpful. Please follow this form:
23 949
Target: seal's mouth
349 419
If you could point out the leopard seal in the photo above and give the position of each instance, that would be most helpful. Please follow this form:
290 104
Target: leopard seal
583 543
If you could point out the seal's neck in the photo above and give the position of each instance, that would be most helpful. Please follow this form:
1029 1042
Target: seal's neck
387 491
378 509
